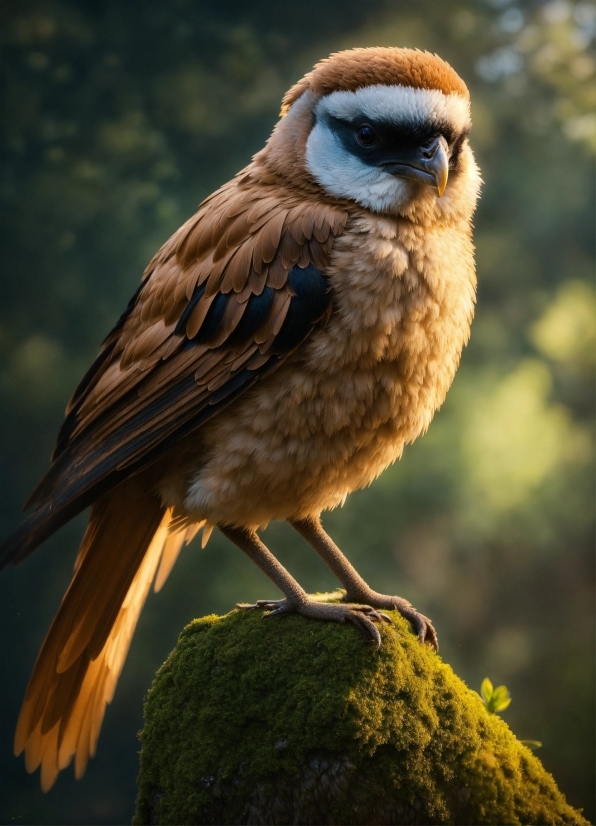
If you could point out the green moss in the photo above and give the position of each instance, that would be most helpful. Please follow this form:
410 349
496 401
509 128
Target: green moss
294 721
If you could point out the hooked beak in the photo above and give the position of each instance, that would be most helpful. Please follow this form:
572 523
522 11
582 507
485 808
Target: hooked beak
427 164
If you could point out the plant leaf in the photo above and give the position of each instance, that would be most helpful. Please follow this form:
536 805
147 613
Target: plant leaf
500 705
500 692
486 690
495 699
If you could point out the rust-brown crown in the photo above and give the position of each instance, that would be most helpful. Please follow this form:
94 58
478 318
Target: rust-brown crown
355 68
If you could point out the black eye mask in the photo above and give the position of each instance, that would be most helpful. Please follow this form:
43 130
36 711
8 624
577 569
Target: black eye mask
393 138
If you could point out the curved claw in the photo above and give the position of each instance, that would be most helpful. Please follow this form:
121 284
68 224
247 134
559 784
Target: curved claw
422 626
281 609
368 629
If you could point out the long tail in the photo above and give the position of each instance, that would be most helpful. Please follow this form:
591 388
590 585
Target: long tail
77 669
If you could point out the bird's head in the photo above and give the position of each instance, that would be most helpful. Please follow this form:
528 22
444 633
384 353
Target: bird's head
385 128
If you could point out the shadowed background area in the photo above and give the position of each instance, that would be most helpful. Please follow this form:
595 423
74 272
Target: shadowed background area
118 118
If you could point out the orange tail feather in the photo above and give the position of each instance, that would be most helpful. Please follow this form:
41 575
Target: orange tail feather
82 656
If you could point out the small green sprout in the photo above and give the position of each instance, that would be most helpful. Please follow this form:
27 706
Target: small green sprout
495 699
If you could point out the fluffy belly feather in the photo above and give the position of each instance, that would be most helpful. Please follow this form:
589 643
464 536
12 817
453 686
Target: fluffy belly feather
332 419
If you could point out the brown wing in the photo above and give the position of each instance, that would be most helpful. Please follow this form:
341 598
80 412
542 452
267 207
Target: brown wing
222 304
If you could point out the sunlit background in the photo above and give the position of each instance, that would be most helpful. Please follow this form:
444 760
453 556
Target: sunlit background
119 117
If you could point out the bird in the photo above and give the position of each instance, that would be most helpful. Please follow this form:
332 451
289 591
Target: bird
283 347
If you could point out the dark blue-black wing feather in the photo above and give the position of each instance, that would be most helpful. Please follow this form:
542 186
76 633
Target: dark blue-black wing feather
83 469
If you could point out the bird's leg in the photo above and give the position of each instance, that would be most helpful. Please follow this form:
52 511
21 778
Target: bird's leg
357 591
296 599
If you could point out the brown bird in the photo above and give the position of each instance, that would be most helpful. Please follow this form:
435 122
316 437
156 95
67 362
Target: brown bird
283 347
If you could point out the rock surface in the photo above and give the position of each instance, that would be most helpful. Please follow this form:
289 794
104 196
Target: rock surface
295 721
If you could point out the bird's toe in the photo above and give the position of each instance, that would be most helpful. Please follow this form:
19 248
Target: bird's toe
421 625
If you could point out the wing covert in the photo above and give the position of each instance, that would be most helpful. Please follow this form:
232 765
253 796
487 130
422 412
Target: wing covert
222 304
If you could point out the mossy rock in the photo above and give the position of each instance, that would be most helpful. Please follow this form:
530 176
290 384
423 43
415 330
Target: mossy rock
295 721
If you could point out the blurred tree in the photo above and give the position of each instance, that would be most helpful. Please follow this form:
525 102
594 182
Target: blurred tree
117 120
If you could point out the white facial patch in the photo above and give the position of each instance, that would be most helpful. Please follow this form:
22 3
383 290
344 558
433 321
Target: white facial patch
396 104
342 173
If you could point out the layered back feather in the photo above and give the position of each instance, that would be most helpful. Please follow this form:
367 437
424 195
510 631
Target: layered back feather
221 305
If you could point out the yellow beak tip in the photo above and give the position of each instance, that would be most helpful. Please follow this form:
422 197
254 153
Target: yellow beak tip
442 184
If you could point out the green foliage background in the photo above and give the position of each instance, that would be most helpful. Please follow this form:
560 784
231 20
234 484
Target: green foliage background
118 118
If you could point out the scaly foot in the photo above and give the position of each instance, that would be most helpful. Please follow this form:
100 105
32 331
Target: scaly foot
362 616
421 624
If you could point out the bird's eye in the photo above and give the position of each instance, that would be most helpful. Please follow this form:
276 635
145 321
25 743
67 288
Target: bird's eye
365 135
